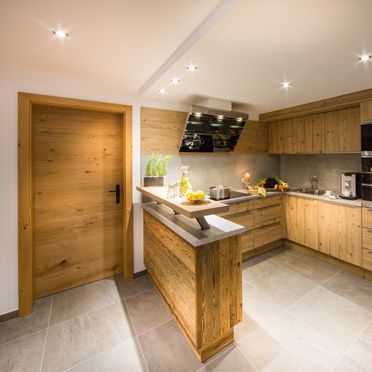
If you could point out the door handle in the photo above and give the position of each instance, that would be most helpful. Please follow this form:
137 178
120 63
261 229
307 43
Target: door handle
117 192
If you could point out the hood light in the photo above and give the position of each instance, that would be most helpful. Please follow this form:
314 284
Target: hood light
216 124
239 120
61 34
220 117
365 58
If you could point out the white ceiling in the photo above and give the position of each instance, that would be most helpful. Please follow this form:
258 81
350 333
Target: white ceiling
258 43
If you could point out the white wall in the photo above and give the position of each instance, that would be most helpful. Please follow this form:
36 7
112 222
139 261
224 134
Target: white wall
65 87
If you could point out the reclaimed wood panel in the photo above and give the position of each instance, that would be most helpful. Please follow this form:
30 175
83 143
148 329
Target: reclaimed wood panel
253 139
77 159
202 286
267 216
240 207
267 202
267 234
367 217
365 111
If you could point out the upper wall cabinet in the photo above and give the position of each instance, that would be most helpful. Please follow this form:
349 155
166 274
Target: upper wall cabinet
330 132
365 111
342 130
253 138
308 134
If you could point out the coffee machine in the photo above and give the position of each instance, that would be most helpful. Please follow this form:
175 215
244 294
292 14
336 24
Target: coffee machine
350 185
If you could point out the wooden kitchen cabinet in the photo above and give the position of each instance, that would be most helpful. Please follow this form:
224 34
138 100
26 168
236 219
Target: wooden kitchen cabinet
339 231
365 111
301 220
280 137
342 130
308 134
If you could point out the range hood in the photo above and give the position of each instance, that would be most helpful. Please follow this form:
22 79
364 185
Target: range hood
212 130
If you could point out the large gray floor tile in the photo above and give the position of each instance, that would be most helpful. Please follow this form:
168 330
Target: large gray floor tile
312 269
355 289
82 338
282 285
283 255
244 328
23 354
80 300
361 350
167 350
147 310
348 365
136 286
258 306
232 360
254 268
332 316
260 348
124 357
37 320
302 341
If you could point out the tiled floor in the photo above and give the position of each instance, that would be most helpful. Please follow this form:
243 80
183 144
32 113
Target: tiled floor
300 314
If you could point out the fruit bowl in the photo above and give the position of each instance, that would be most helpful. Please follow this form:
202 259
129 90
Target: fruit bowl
196 197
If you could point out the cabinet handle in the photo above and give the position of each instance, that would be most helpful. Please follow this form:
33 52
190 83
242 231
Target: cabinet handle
369 251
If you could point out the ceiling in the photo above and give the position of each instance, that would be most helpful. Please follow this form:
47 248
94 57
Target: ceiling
243 57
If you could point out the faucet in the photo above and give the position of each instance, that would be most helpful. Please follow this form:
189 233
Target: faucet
313 183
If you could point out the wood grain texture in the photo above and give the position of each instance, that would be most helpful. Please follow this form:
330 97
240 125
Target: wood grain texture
308 133
281 137
342 131
77 159
201 285
325 105
253 139
367 217
26 104
365 111
161 130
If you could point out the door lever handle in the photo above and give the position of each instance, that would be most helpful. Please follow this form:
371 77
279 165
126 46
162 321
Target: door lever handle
117 192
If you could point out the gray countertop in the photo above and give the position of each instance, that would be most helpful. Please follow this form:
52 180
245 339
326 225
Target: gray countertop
189 229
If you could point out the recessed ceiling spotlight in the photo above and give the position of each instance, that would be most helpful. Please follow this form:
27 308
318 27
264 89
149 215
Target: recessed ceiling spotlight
191 68
286 84
162 91
175 81
365 58
61 34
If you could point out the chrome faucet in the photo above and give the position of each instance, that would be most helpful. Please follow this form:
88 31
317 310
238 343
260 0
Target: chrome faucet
314 183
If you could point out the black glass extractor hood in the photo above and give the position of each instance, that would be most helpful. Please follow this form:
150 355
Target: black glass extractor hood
209 130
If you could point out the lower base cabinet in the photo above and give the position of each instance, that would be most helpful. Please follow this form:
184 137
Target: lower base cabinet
330 228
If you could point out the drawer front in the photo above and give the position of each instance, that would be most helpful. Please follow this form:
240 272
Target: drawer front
266 202
238 208
367 259
367 217
267 234
267 216
245 219
247 241
367 238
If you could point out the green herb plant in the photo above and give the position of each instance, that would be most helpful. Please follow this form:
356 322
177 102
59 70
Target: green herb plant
157 165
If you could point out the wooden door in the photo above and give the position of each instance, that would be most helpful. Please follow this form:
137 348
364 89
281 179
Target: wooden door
299 135
365 111
287 130
317 132
273 138
324 226
77 160
310 213
290 212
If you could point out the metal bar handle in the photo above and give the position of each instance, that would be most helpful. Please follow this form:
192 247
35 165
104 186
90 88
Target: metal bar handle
117 193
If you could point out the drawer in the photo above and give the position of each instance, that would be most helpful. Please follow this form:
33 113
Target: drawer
238 208
367 217
267 216
367 238
267 234
245 219
247 241
367 259
266 202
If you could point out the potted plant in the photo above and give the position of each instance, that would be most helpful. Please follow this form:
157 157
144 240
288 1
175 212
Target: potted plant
156 170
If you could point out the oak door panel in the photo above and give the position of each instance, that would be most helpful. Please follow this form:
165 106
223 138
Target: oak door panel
77 159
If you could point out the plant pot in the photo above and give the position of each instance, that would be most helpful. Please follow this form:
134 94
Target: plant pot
154 181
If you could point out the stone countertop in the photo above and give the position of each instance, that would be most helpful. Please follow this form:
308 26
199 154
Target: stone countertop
352 203
189 229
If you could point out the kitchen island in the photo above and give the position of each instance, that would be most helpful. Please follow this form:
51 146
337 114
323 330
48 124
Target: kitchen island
197 271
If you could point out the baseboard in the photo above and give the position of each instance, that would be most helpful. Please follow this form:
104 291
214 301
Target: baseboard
264 248
138 274
8 316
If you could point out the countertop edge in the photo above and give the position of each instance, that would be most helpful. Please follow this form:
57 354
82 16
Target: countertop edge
220 227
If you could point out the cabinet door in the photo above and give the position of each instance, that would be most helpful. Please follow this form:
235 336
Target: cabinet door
342 130
290 212
351 248
310 223
273 139
317 132
299 135
365 111
324 226
287 128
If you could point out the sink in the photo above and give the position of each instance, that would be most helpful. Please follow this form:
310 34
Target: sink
305 190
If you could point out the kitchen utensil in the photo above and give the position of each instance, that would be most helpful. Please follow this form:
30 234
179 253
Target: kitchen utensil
219 192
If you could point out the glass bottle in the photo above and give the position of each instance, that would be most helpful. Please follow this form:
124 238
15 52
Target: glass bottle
185 181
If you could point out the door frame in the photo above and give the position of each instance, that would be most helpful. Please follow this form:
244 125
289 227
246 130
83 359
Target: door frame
26 102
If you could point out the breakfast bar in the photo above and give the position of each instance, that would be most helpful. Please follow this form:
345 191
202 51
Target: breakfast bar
197 271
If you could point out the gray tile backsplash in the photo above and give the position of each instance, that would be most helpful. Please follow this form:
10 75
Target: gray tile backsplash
225 169
297 169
